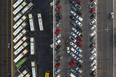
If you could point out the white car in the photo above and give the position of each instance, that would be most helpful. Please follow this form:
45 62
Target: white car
58 75
57 42
72 44
73 29
78 23
72 39
68 49
92 69
57 71
93 56
79 18
93 27
79 60
73 13
93 4
93 63
73 34
58 36
72 75
93 50
73 55
92 22
93 33
80 71
79 55
78 49
72 49
79 34
72 70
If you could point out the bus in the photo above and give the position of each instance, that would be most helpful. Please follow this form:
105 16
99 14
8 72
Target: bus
31 22
40 22
33 68
19 36
20 56
19 22
20 48
23 73
32 50
47 73
27 75
19 8
21 62
17 3
20 42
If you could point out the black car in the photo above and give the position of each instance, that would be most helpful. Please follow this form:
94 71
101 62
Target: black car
72 17
79 29
92 38
57 14
93 73
92 45
58 47
72 23
72 2
58 59
79 65
79 13
58 18
93 15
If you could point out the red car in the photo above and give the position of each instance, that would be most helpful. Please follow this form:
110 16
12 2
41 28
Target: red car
72 65
57 65
79 44
79 2
74 61
91 0
92 10
79 39
57 2
57 31
58 8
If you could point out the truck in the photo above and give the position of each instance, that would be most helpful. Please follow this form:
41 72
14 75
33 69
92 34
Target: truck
20 56
17 3
32 50
31 22
33 66
23 73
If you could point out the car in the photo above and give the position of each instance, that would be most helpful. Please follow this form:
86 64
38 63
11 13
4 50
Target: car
79 39
72 75
57 48
73 8
79 13
79 18
57 65
9 45
93 15
58 18
77 6
79 65
93 56
57 3
79 29
58 75
57 71
73 55
72 65
72 39
57 32
72 2
57 14
77 75
111 15
72 49
72 70
58 36
72 23
57 8
80 71
73 34
93 63
92 5
77 53
72 17
59 58
93 27
79 34
72 44
93 50
74 30
92 22
58 24
93 73
93 69
57 42
57 54
92 38
92 10
79 2
74 61
93 33
91 0
79 60
73 13
78 23
68 49
78 49
79 44
92 45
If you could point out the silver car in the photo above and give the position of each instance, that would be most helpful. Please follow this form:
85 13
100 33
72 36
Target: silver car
94 68
57 71
93 50
72 44
73 55
73 34
72 70
58 36
57 25
93 56
78 23
78 49
79 60
92 22
80 71
73 29
93 63
77 53
68 49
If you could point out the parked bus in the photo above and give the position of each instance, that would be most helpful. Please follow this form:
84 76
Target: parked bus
23 73
40 22
32 49
19 8
20 56
33 68
27 75
47 73
20 48
17 3
21 62
31 22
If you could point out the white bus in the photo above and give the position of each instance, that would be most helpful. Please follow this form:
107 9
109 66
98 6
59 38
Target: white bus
23 73
33 68
19 28
31 22
20 42
17 3
19 22
27 75
32 50
20 48
40 22
19 35
19 8
20 56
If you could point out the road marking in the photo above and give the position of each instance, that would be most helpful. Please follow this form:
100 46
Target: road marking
107 29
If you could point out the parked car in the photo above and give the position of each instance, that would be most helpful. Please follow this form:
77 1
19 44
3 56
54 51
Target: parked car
72 17
58 36
79 44
72 65
57 14
78 49
80 71
73 29
57 71
92 45
77 6
92 38
57 48
79 39
58 24
57 42
73 55
57 65
57 54
78 23
57 32
72 44
79 13
93 56
79 29
92 22
93 50
58 18
91 0
92 5
93 69
77 75
72 2
79 65
74 61
93 33
93 73
72 75
93 15
68 49
92 10
72 70
72 49
79 18
59 58
73 8
72 39
73 34
72 23
79 34
73 13
93 27
57 3
93 63
79 60
57 8
58 75
79 2
77 53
